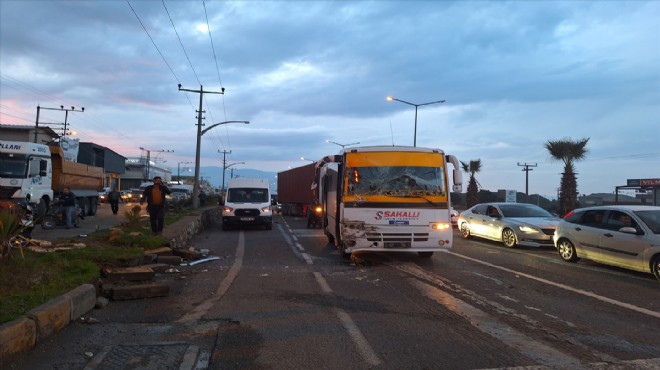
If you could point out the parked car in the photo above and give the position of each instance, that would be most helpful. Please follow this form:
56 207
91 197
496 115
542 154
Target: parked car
510 223
621 235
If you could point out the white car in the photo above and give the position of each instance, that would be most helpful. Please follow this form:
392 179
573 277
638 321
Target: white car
510 223
622 235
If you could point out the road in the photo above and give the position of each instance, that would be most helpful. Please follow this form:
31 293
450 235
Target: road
285 299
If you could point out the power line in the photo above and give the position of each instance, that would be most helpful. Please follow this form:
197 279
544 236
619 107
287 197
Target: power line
157 49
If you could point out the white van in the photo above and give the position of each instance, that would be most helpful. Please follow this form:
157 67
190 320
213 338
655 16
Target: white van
247 202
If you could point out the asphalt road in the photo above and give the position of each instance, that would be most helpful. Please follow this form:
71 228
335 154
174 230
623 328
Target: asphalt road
285 299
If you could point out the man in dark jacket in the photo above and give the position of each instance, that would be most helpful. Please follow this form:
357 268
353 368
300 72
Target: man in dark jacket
113 198
154 195
68 205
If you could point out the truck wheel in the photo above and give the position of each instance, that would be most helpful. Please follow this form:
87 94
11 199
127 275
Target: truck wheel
93 206
331 239
41 210
84 205
49 222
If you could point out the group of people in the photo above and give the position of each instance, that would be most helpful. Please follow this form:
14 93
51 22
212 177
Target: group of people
154 195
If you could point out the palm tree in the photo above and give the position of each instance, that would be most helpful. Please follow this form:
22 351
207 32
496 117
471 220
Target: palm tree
567 151
472 190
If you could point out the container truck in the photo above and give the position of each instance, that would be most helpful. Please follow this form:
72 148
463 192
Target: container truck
388 198
38 173
294 190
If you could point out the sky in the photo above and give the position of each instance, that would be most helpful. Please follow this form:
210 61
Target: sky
513 74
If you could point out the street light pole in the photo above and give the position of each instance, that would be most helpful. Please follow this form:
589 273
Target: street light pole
390 98
195 200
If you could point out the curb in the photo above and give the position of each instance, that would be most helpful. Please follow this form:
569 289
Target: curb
39 323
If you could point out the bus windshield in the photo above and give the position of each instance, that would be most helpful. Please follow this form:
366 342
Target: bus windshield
396 181
13 166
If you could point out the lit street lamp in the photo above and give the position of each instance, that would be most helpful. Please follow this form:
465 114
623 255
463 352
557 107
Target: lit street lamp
342 145
390 98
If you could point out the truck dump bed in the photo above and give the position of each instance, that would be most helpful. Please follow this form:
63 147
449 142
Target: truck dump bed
77 176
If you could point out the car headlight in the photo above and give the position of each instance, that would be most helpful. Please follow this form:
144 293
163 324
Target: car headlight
529 229
227 210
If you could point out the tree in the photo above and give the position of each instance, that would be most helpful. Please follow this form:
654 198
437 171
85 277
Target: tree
567 151
472 190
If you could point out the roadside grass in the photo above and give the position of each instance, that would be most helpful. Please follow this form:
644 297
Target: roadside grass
28 282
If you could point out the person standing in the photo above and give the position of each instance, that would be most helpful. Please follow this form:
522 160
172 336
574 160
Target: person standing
113 198
154 195
68 200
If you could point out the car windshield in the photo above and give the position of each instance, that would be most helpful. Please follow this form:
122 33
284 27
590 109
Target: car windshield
520 210
651 219
399 180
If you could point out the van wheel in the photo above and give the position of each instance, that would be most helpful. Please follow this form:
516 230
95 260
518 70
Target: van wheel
655 266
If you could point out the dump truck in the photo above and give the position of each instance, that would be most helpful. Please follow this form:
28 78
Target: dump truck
294 190
37 173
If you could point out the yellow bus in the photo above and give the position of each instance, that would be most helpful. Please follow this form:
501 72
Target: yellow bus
387 198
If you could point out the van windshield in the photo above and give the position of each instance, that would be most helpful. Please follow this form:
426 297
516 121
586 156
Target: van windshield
248 195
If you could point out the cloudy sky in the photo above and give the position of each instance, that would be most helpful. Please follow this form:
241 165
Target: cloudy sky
514 75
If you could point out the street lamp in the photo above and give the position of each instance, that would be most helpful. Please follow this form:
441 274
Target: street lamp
390 98
201 132
224 167
342 145
306 159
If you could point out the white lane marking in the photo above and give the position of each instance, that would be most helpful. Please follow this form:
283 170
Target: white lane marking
565 287
202 309
363 346
480 320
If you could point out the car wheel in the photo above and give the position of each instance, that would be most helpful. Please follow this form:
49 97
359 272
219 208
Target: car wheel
509 238
567 251
425 254
655 267
465 230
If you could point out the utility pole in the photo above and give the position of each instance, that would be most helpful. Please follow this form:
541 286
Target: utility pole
66 116
526 170
195 200
224 168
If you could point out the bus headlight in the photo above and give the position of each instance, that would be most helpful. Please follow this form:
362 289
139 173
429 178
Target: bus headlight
440 226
